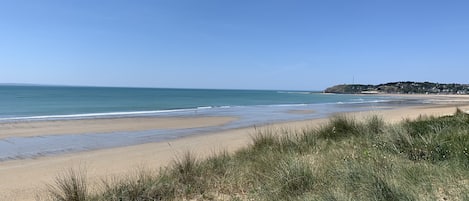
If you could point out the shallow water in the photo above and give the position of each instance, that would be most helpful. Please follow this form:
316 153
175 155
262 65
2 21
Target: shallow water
32 147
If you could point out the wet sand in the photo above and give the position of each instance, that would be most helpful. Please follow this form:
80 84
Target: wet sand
24 179
301 112
39 128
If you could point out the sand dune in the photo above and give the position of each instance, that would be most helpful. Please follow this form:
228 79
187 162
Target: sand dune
23 179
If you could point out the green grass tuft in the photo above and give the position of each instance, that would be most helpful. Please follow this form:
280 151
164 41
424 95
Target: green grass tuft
340 127
435 139
292 178
70 186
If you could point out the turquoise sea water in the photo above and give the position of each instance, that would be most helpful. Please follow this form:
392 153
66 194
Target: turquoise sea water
250 107
41 102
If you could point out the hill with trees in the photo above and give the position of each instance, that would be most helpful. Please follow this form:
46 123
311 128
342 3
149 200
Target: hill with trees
400 88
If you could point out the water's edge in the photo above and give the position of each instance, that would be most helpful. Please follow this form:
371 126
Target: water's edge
15 148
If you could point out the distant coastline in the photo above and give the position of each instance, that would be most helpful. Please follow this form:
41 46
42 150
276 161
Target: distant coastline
406 87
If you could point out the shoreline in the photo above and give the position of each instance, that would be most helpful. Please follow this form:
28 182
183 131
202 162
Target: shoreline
36 139
24 179
107 125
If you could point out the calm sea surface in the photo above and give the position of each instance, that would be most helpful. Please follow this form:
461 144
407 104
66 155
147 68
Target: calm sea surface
251 107
33 102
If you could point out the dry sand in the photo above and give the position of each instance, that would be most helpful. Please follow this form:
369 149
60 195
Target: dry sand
23 179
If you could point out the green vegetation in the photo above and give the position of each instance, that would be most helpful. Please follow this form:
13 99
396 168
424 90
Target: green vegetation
346 159
70 186
401 88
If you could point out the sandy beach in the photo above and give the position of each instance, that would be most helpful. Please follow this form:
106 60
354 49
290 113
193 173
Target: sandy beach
24 179
234 100
37 128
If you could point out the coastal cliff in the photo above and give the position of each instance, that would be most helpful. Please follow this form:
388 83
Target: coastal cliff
400 88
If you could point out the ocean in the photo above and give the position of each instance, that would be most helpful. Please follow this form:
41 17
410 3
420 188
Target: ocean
250 107
45 102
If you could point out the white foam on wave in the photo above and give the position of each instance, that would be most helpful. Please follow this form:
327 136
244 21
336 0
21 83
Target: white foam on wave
108 114
204 107
358 101
155 112
91 115
286 105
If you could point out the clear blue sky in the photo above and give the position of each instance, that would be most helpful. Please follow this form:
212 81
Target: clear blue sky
244 44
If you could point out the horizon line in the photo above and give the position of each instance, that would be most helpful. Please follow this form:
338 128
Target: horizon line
148 87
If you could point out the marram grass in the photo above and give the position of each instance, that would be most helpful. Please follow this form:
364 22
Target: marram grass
345 159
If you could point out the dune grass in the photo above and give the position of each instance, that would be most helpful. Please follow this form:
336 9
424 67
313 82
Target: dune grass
69 186
345 159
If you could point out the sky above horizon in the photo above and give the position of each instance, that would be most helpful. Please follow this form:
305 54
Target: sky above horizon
242 44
